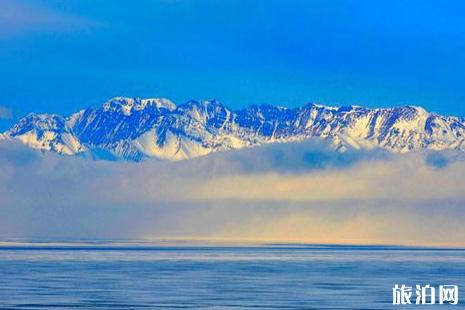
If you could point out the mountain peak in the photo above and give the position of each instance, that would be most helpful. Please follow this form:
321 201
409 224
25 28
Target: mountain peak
126 105
135 128
47 132
51 122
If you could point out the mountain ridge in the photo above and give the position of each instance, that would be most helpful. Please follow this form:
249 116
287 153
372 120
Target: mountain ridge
137 129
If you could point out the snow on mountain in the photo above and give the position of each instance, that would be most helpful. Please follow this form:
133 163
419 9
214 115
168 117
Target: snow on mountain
48 132
135 129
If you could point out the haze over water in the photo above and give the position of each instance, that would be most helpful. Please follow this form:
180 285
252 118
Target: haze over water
218 277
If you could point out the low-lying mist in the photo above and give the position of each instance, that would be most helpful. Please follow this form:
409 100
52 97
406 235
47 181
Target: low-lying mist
302 192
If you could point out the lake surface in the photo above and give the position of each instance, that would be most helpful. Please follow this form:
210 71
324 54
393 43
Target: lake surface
219 277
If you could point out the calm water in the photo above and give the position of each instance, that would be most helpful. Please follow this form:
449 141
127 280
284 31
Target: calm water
267 277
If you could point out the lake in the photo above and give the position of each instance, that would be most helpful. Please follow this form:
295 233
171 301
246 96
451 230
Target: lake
144 276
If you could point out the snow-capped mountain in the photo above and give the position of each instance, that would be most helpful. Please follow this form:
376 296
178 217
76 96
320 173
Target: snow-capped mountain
135 129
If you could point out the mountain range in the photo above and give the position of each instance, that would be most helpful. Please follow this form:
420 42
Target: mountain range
136 129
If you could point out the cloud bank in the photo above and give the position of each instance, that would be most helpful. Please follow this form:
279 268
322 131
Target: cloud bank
301 192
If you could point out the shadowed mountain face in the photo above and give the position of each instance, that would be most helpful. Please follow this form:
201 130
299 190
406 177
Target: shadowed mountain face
136 129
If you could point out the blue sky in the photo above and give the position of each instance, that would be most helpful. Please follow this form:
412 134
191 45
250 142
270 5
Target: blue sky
59 56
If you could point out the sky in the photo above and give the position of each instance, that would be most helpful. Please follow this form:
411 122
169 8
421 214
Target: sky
61 56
